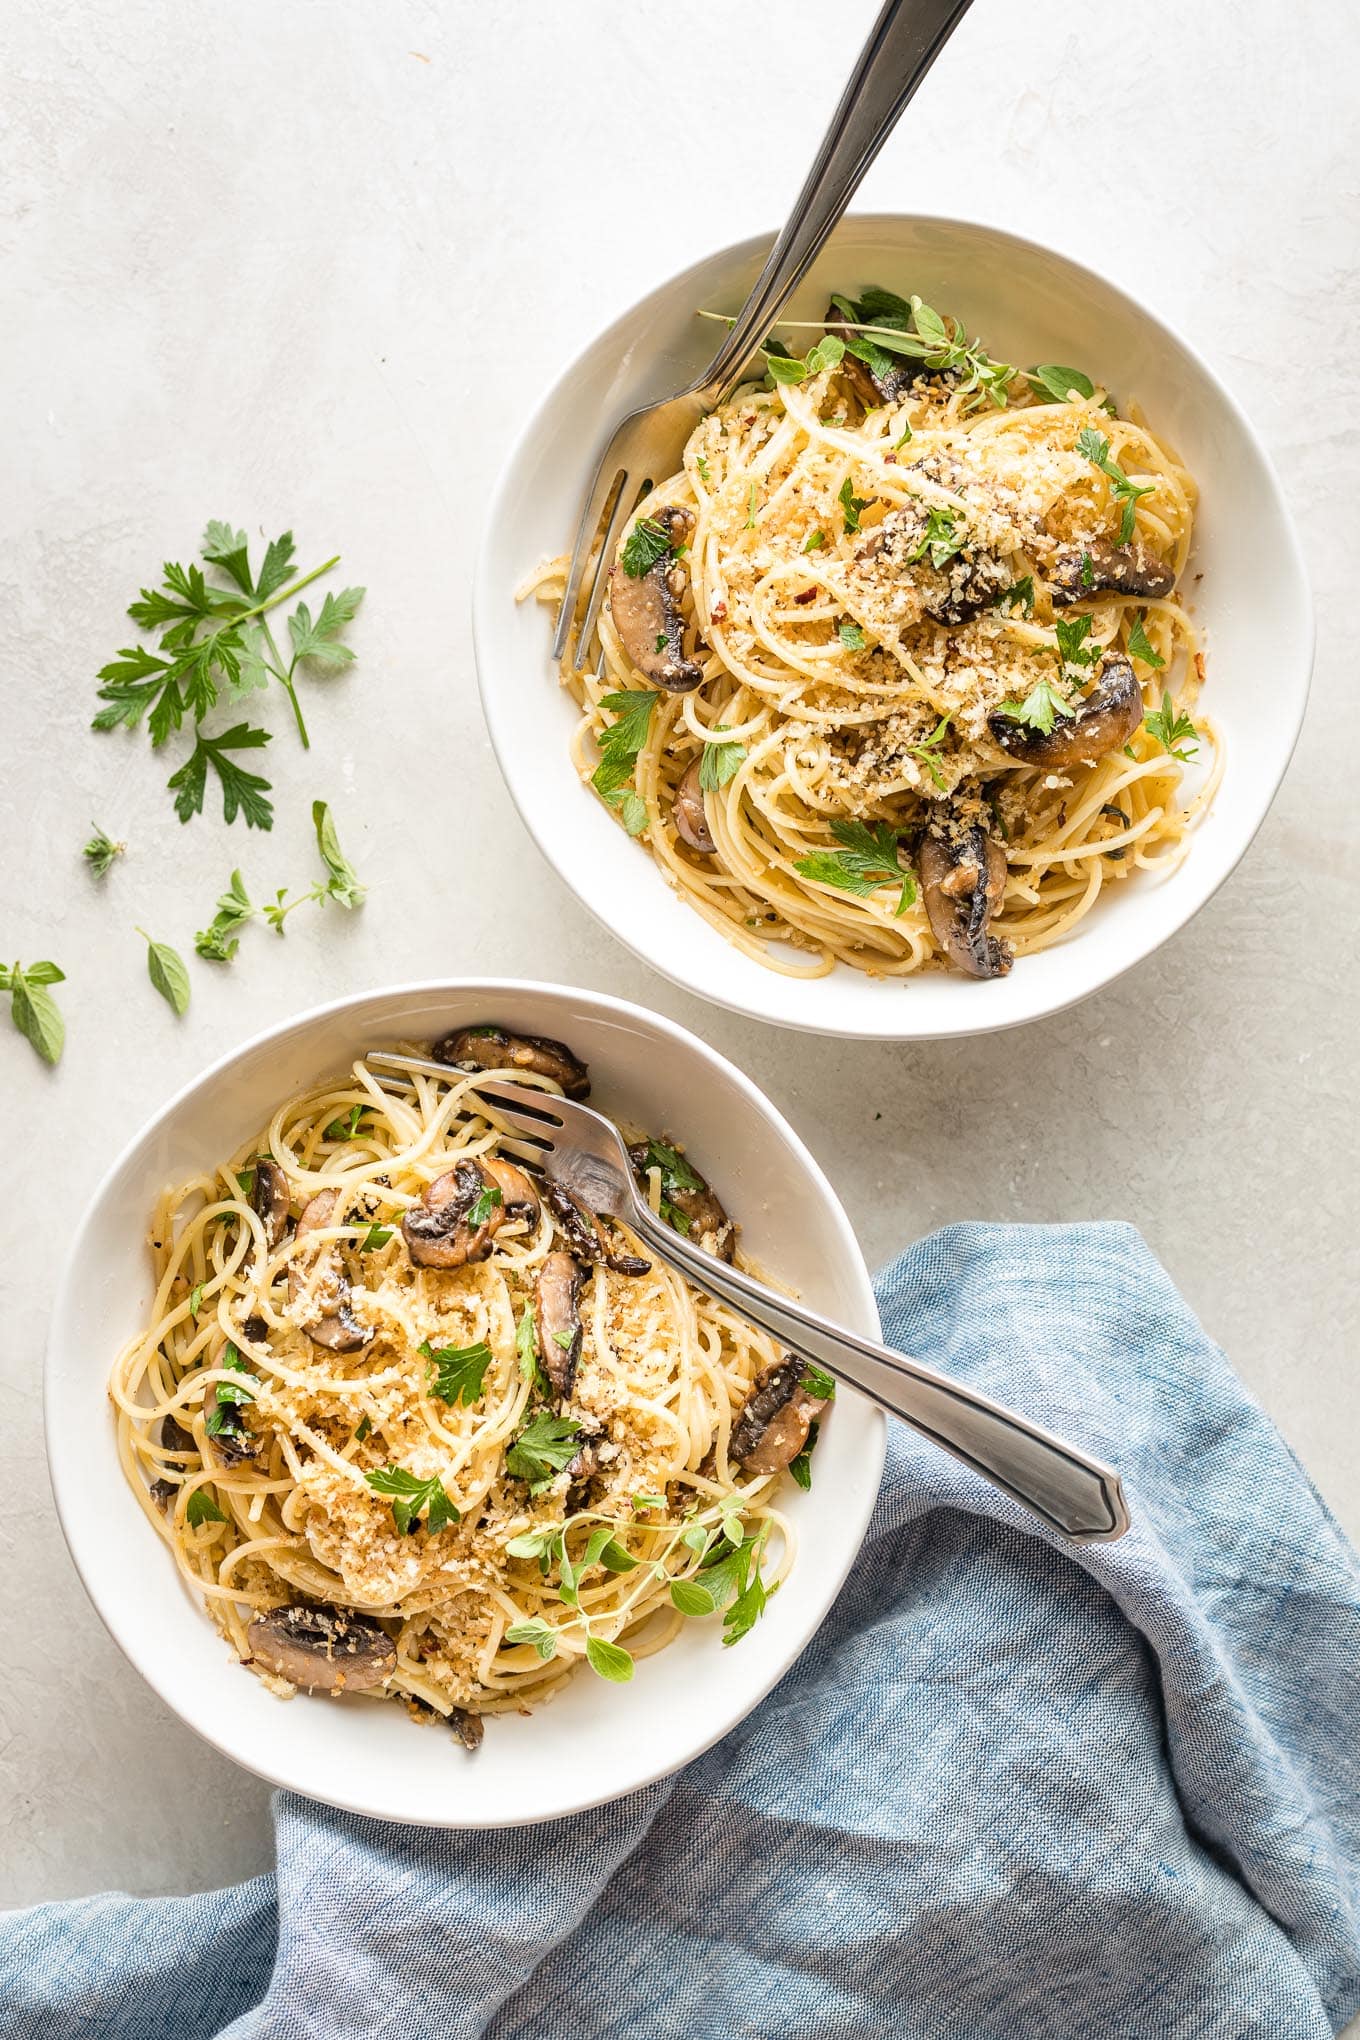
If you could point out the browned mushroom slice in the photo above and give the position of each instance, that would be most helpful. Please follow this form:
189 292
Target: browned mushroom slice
583 1236
1102 568
175 1439
230 1441
456 1220
646 607
466 1727
966 583
773 1426
319 1276
1106 719
163 1493
519 1198
690 815
331 1650
872 385
963 876
269 1200
491 1048
687 1199
557 1318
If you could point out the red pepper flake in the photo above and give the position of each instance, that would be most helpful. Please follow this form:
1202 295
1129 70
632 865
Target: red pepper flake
806 595
718 613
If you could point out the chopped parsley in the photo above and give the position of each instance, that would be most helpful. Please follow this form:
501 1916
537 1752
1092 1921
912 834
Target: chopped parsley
376 1236
645 544
819 1383
1172 730
941 539
1087 573
1040 708
544 1448
719 763
362 1429
814 541
223 1417
1072 633
928 745
801 1467
851 636
344 1129
1141 646
1096 449
624 738
866 861
457 1372
410 1495
488 1199
1021 591
201 1508
851 504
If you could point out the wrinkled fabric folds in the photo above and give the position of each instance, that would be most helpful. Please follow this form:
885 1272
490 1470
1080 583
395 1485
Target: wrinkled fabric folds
1010 1789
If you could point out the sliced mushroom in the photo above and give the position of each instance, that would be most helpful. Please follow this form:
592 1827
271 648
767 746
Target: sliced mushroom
873 386
968 582
1106 719
646 609
689 1196
269 1201
557 1317
1102 568
690 815
963 876
440 1231
773 1426
174 1437
331 1650
163 1493
491 1048
519 1198
229 1441
321 1277
465 1726
583 1236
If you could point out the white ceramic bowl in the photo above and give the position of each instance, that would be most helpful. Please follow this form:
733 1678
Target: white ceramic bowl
595 1741
1028 304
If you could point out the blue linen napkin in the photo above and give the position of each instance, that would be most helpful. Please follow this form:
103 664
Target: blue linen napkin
1010 1792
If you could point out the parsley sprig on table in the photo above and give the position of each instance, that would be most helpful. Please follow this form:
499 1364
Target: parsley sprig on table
216 648
220 940
866 861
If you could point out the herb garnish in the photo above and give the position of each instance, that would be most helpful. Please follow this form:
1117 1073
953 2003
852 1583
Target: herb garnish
1040 708
409 1495
220 940
1096 448
1052 381
32 1007
544 1448
928 745
345 1129
646 543
851 504
216 645
487 1201
458 1373
941 539
719 763
223 1416
201 1508
815 541
1019 591
168 972
851 636
866 862
100 852
619 746
801 1467
1141 646
1172 730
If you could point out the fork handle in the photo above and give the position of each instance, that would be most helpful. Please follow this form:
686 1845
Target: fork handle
1073 1493
902 46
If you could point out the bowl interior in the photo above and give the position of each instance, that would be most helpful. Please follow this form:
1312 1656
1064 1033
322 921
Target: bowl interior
1246 588
594 1741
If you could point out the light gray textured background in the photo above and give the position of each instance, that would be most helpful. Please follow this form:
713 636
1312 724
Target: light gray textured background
307 264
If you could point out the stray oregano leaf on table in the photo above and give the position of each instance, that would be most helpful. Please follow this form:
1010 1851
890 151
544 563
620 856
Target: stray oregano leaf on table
101 852
168 972
32 1008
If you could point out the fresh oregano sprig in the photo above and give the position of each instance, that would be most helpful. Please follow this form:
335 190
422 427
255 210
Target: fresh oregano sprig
220 940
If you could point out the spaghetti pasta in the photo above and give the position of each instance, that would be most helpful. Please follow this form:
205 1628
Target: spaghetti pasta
406 1421
885 598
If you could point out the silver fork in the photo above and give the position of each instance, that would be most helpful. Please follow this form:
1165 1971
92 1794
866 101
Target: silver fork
903 44
1073 1493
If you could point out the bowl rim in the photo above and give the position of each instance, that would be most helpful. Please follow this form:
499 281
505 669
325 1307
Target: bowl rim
488 593
855 1509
